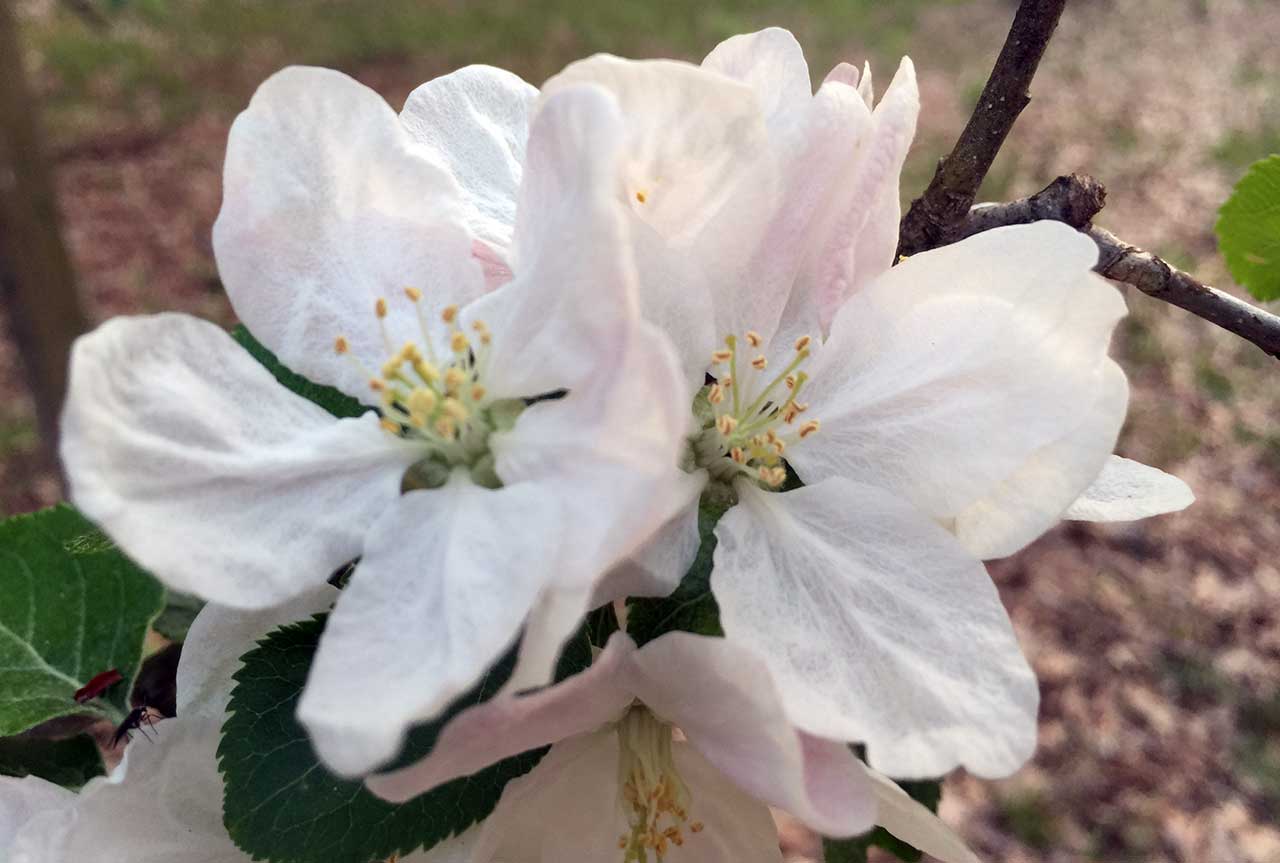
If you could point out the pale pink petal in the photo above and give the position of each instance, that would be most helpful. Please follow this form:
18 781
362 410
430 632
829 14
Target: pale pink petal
771 62
502 727
721 696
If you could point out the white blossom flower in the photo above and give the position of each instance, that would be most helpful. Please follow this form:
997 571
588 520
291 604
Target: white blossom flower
350 252
943 411
671 749
163 802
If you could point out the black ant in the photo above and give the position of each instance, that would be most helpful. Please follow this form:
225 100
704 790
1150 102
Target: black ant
138 716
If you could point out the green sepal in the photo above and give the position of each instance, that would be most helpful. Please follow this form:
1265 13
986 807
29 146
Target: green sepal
334 401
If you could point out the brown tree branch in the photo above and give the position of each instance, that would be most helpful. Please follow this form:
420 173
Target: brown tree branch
934 216
1076 199
36 279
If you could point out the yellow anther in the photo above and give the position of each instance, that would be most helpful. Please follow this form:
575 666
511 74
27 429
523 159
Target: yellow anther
377 384
726 382
779 447
341 345
456 409
380 307
445 427
716 394
790 381
641 196
458 342
807 428
410 352
426 371
802 343
448 313
753 338
413 294
422 401
726 424
696 827
759 363
454 378
478 393
721 356
738 455
388 425
789 413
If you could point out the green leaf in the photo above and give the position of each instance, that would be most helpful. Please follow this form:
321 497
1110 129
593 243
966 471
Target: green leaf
70 763
282 804
180 610
73 606
691 607
927 792
334 401
1249 230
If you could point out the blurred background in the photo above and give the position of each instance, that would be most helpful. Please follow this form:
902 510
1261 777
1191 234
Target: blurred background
1157 644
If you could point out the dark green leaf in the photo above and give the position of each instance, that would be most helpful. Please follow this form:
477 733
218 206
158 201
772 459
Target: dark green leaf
73 606
1249 230
70 763
691 607
180 609
334 401
281 804
927 792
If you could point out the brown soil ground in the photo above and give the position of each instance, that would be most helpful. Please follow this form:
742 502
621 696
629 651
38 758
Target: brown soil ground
1157 644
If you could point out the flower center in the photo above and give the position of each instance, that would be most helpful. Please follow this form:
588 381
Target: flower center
750 418
438 398
656 800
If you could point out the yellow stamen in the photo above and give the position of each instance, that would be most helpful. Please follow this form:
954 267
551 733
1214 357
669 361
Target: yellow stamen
388 425
453 379
448 313
455 409
380 307
716 394
759 363
458 342
721 356
341 345
726 424
808 428
802 343
753 338
641 197
413 294
477 393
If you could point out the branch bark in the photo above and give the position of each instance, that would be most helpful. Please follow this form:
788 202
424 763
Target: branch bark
935 216
36 279
1075 199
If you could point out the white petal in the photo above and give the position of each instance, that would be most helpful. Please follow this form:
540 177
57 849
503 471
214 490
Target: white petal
506 726
21 800
162 803
698 172
914 824
208 472
1033 499
657 567
475 122
860 244
878 627
1127 490
945 375
721 695
219 636
574 296
442 589
327 205
772 63
568 808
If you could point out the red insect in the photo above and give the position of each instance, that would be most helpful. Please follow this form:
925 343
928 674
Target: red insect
138 716
99 684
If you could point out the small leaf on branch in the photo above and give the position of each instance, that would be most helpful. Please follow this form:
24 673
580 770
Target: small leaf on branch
334 401
1249 230
74 606
70 763
691 607
280 802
